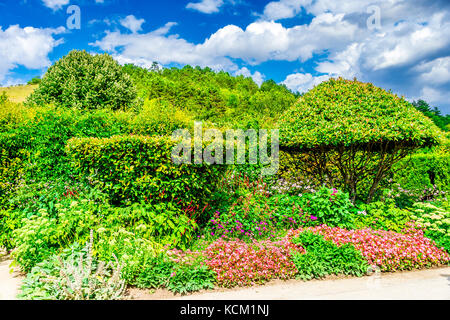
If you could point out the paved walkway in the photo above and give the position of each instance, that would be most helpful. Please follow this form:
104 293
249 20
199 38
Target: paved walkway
9 283
432 284
426 284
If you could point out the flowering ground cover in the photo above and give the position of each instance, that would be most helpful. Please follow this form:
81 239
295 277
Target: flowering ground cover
238 263
389 250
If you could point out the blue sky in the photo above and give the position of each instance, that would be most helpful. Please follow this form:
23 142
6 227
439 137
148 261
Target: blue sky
400 45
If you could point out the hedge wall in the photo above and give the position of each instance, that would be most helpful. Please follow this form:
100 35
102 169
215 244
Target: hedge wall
13 159
138 168
424 171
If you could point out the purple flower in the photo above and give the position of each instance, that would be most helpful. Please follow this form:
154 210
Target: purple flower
313 218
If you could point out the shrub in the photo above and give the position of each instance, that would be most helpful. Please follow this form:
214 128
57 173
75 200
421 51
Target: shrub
160 118
84 81
164 223
13 162
383 215
357 128
75 274
330 206
388 250
179 277
136 168
323 258
435 221
256 216
132 251
423 174
10 220
43 235
237 263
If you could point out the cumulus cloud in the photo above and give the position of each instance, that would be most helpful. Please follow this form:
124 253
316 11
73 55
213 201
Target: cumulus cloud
435 72
132 23
302 82
409 52
28 47
206 6
260 41
55 4
257 76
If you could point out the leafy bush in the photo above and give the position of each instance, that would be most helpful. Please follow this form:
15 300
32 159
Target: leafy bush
84 81
383 215
423 174
10 220
435 221
43 235
323 258
177 277
13 161
132 251
164 223
160 118
388 250
135 168
330 206
257 216
75 274
357 128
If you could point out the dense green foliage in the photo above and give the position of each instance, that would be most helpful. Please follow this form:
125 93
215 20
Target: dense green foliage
215 96
91 201
75 274
383 216
353 132
324 258
343 112
434 114
135 168
435 220
84 81
424 173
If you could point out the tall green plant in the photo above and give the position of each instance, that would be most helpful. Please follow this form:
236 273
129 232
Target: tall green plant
358 128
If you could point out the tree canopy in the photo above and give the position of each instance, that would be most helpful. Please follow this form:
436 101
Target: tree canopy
341 112
215 96
353 132
84 81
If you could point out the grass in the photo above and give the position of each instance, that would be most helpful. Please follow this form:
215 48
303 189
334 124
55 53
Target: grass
19 93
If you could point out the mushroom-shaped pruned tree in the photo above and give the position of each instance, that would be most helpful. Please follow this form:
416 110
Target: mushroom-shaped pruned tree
354 131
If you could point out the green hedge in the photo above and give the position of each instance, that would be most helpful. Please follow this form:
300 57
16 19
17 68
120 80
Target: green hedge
13 159
423 171
138 168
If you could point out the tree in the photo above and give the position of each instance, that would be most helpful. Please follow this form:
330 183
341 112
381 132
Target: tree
84 81
354 131
434 114
35 80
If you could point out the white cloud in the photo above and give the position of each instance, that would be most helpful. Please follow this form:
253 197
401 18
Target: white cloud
28 47
260 41
257 76
284 9
206 6
132 23
302 82
55 4
434 96
412 43
435 72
